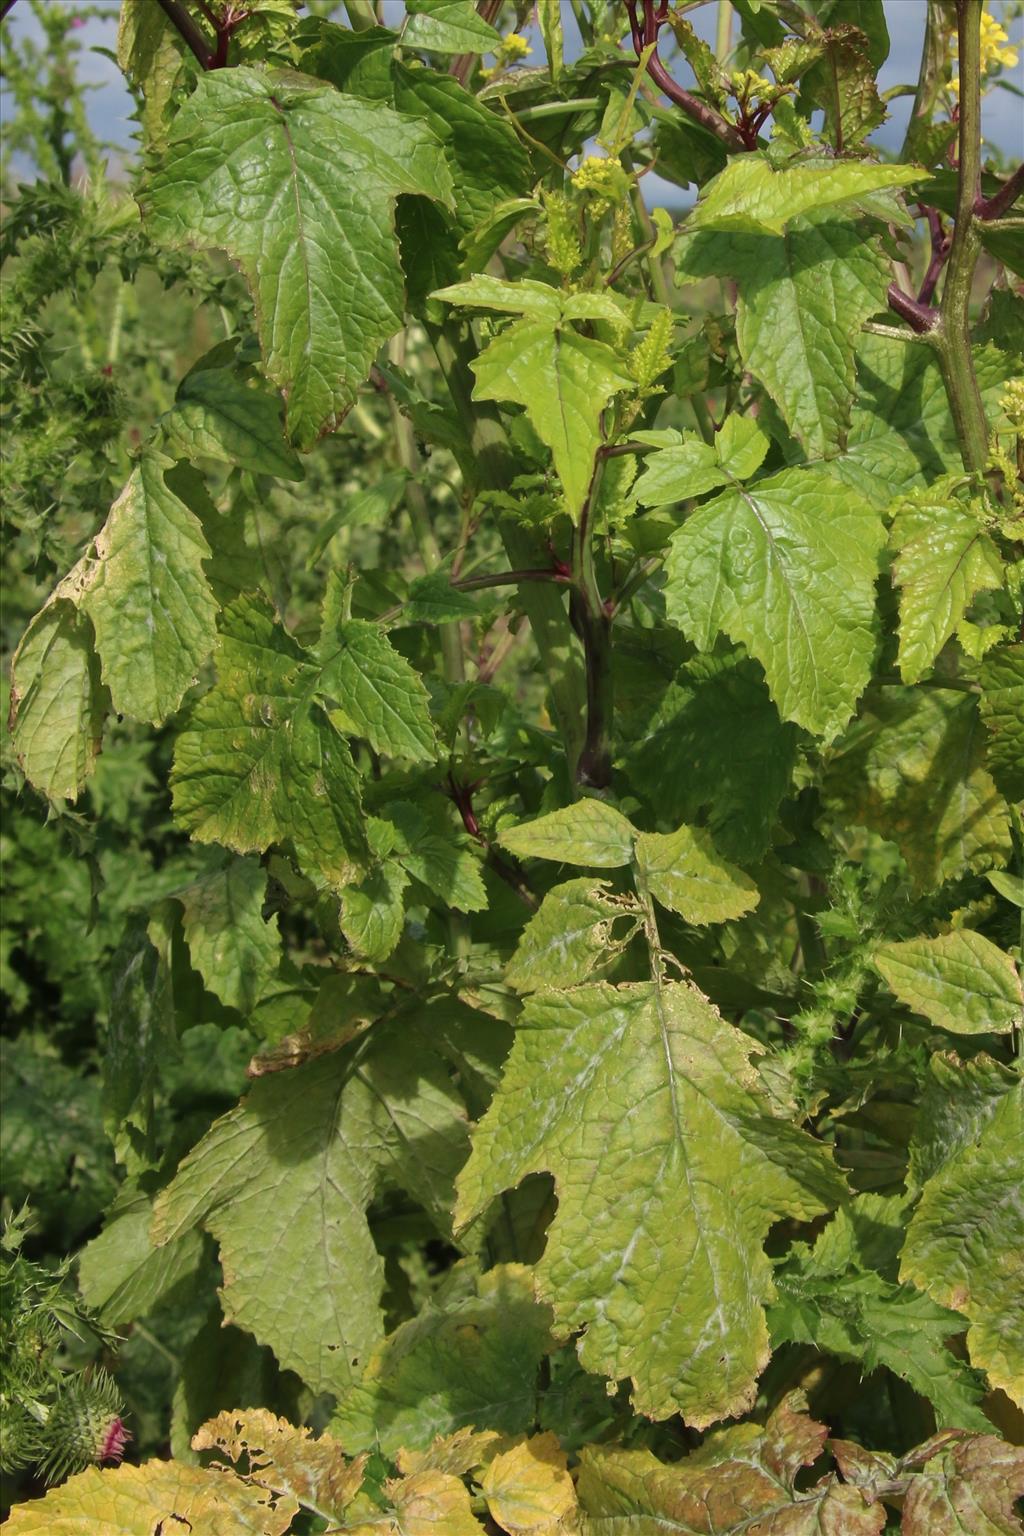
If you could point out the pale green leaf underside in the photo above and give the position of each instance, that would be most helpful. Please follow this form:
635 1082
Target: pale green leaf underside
283 1181
297 183
234 950
787 567
669 1168
960 981
123 1276
965 1243
944 560
58 703
147 593
750 195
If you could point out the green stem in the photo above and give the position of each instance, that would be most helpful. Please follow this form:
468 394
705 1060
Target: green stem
723 31
361 14
954 334
930 74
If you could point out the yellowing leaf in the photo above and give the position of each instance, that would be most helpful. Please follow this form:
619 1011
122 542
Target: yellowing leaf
428 1503
58 702
458 1452
158 1496
743 1479
279 1457
670 1164
528 1489
965 1243
961 981
685 872
589 832
944 559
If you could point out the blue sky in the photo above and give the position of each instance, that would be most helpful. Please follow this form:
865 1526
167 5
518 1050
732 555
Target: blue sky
1003 123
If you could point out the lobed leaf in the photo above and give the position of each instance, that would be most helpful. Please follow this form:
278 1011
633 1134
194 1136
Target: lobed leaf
297 183
655 1250
787 567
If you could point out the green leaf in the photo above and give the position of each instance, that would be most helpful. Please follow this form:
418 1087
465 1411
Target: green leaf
526 297
978 1479
297 183
650 1253
358 63
234 950
960 981
149 52
589 832
259 762
429 849
679 472
58 702
1002 712
717 747
749 195
957 1101
965 1243
866 1319
146 592
570 936
832 1296
487 160
218 415
685 872
803 298
283 1182
564 380
448 26
944 559
940 808
901 432
373 691
373 912
122 1276
470 1356
788 568
742 1478
842 84
154 1497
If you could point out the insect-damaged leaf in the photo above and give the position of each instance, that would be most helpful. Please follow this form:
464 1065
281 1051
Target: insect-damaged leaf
742 1478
